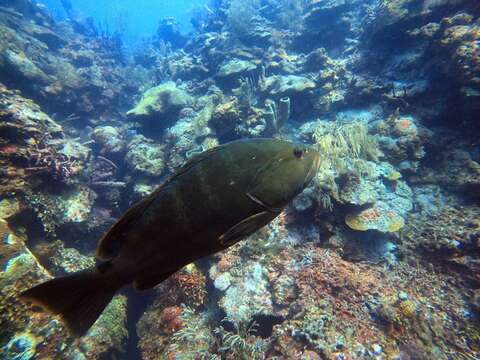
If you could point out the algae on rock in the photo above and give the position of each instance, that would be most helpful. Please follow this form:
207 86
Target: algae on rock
161 100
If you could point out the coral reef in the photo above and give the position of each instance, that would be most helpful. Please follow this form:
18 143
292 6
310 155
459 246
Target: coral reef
377 259
145 157
29 334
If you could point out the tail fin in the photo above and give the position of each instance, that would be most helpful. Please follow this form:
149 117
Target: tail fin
79 298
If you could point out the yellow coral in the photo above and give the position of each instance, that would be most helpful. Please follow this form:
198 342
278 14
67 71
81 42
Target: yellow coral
226 107
354 222
396 225
407 308
9 207
282 54
394 175
162 99
209 143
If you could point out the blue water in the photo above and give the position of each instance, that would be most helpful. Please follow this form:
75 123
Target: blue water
134 20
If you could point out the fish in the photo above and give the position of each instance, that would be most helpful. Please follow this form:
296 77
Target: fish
213 201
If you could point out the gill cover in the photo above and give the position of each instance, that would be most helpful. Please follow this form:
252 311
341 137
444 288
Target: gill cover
284 177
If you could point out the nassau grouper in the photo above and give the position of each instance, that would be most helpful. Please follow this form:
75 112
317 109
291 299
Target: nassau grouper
215 200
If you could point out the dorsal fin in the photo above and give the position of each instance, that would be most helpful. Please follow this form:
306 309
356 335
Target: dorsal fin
194 160
113 240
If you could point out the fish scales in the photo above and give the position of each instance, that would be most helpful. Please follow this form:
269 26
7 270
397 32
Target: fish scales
216 199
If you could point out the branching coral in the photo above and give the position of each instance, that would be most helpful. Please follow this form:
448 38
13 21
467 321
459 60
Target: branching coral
242 343
188 287
45 158
344 148
337 141
193 340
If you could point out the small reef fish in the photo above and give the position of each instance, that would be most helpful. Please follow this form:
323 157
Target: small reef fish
215 200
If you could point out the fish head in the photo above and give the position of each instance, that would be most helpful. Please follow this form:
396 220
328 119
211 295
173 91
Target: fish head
287 171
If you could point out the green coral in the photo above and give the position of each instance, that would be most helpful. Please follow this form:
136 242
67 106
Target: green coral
235 67
200 121
77 205
109 139
284 85
66 74
23 66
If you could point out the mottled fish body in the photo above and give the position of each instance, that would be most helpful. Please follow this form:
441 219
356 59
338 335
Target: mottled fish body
215 200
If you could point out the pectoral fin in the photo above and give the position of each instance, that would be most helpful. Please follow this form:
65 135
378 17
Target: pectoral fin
262 204
246 227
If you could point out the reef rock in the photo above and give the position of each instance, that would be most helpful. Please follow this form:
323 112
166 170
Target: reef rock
455 169
32 145
161 102
109 139
247 295
28 334
144 156
287 85
235 67
51 62
326 23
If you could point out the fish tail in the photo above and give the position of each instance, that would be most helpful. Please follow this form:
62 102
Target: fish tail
79 298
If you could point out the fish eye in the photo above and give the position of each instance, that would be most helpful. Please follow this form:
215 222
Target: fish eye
298 152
